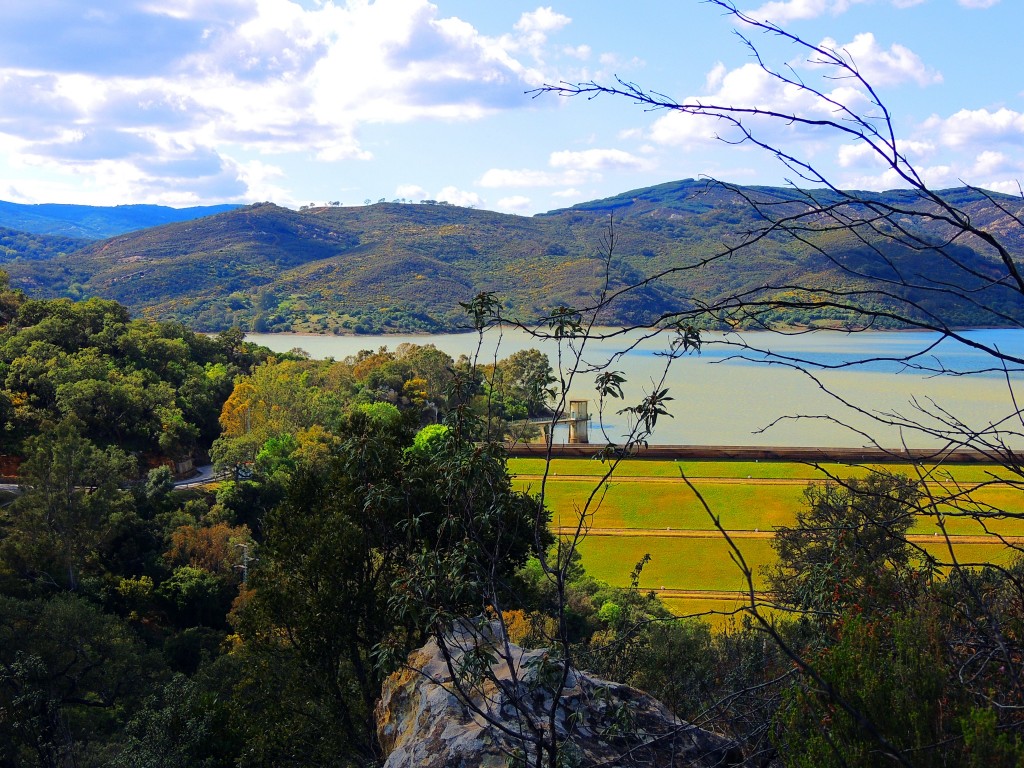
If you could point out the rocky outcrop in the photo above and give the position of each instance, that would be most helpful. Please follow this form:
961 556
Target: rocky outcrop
487 702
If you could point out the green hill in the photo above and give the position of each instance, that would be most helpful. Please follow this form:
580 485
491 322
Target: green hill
96 221
401 267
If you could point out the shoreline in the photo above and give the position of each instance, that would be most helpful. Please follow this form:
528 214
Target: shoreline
761 453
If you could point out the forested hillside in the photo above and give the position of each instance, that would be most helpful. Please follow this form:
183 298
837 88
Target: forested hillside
395 267
253 622
249 622
93 221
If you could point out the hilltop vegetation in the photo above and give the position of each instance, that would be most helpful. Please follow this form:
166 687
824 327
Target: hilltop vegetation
395 267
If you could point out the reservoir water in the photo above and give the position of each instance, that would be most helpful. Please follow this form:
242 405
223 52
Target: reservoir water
825 388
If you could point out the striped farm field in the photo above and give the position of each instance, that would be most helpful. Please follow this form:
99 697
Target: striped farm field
635 503
687 564
645 508
704 564
631 504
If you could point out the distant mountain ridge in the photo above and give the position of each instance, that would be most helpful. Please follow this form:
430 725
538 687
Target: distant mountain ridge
393 267
96 222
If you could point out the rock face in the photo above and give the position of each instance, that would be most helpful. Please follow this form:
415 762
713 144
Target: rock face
488 704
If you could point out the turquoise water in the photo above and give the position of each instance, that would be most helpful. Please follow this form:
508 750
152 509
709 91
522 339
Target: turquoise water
824 388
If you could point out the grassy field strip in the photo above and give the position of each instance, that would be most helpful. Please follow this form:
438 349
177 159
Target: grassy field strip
534 480
743 506
699 565
947 488
711 534
690 594
704 564
720 614
964 473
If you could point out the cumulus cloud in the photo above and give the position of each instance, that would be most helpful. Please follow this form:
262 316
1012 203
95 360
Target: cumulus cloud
450 194
1006 187
218 77
785 11
971 125
410 192
523 177
571 192
978 3
596 160
749 87
990 162
882 67
514 204
457 196
542 20
862 154
571 168
532 31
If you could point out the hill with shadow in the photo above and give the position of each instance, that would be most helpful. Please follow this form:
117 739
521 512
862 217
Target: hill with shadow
393 267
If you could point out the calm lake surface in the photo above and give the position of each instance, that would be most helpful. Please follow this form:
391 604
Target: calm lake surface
730 395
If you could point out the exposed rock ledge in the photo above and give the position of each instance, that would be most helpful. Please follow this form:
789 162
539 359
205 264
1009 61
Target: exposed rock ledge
423 723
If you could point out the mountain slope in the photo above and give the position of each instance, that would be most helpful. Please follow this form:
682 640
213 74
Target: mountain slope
402 267
96 222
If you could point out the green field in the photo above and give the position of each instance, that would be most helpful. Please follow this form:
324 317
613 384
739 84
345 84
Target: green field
673 505
741 506
705 564
627 501
790 470
698 564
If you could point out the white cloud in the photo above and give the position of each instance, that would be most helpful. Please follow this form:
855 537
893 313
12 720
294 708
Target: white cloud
747 87
571 168
571 192
680 129
581 52
1006 187
450 194
978 3
457 196
532 30
596 160
989 162
543 19
862 154
514 204
269 77
882 67
525 177
259 182
784 11
713 80
969 125
410 192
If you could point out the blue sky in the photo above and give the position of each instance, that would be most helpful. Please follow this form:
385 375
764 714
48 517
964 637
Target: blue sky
187 102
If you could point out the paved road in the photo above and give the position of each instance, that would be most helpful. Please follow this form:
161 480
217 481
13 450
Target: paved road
204 476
